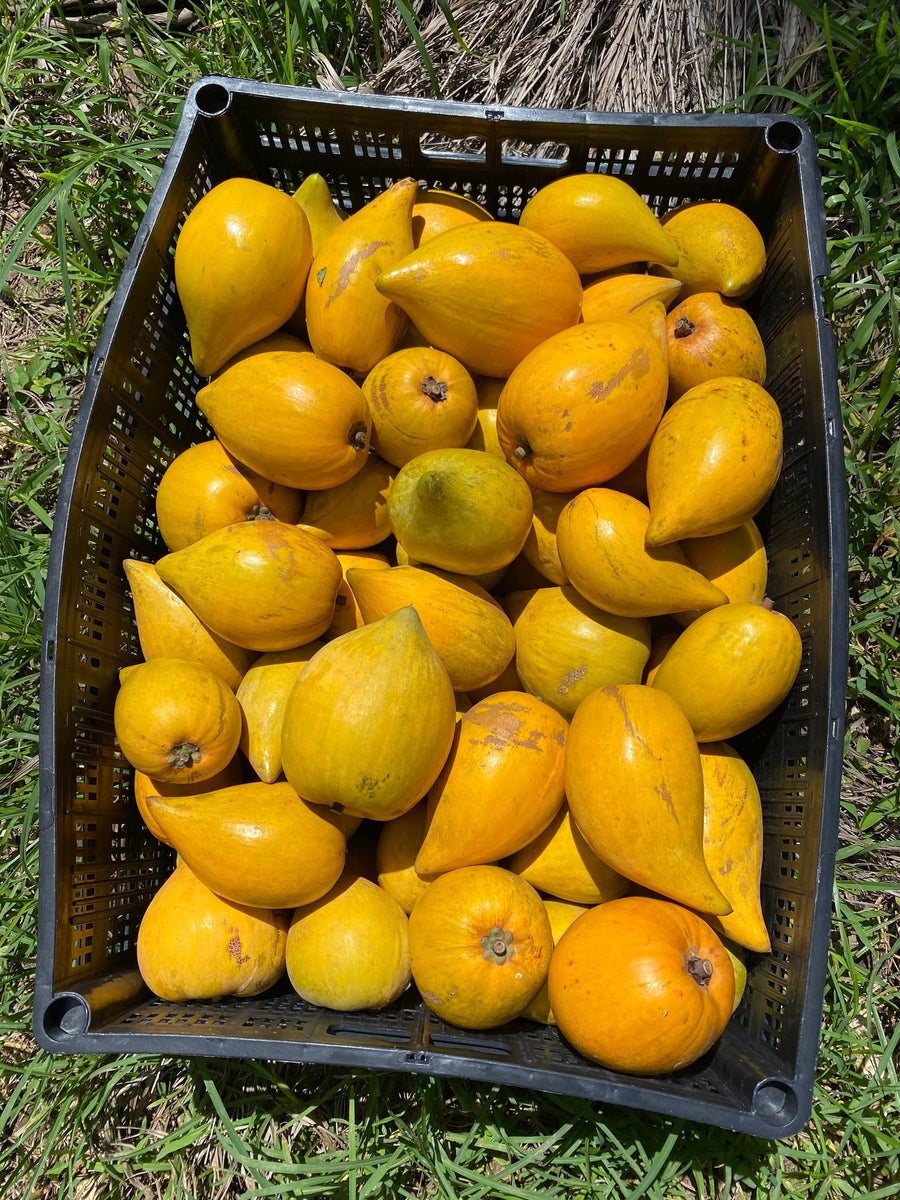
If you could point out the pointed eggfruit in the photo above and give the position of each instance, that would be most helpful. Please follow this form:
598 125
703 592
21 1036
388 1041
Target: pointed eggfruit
262 695
730 668
582 405
349 950
469 630
258 843
146 788
460 510
194 945
487 293
566 647
601 540
484 435
168 628
501 785
598 222
241 262
714 460
560 863
635 789
176 720
349 322
263 585
615 297
720 249
347 614
290 417
314 197
369 722
733 843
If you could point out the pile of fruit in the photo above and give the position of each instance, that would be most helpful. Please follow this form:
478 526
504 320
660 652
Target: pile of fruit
463 602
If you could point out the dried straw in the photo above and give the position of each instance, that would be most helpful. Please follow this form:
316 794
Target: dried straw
604 55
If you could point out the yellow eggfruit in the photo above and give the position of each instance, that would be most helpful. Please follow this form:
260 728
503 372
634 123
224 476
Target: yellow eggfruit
599 222
714 460
560 863
487 293
720 249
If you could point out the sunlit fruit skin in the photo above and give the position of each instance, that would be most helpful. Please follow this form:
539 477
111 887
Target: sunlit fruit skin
168 628
205 488
720 249
735 561
257 843
560 863
471 633
194 945
264 585
566 647
599 222
709 336
349 950
241 261
349 322
479 944
460 510
378 750
262 695
641 985
601 539
146 788
290 417
730 668
437 210
635 789
714 460
176 721
487 293
733 843
583 404
501 785
561 914
420 399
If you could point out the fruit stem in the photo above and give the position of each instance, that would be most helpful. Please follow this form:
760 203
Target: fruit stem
497 945
523 450
700 970
434 390
683 328
183 756
259 512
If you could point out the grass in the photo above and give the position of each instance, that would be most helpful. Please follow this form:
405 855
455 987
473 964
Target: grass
84 125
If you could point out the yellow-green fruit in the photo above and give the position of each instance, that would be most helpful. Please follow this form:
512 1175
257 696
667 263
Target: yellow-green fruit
349 950
730 668
241 262
713 461
369 723
460 510
566 647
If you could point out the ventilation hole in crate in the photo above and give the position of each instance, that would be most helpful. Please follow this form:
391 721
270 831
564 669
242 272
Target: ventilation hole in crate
787 863
611 160
364 1034
470 1045
439 144
372 144
553 153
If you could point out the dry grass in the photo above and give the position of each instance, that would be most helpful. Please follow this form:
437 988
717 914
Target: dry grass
605 55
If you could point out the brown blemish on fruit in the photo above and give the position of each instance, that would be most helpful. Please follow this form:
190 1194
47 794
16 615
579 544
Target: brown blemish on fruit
350 267
569 680
638 366
236 950
664 793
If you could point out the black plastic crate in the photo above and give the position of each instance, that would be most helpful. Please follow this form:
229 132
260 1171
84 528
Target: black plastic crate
99 867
